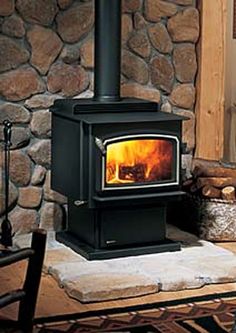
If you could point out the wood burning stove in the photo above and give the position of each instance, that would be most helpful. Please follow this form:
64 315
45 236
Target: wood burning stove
117 160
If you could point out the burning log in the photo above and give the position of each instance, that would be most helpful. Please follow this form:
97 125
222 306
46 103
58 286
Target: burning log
135 173
228 193
211 192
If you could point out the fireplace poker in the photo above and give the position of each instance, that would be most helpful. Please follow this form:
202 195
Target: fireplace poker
6 235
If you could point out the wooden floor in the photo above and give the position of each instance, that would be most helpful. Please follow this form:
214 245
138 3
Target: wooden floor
52 299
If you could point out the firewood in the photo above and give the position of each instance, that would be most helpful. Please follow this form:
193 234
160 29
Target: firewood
187 183
198 162
203 171
211 192
228 193
218 182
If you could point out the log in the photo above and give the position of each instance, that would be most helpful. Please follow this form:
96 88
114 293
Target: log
198 162
211 192
205 171
219 182
228 193
187 183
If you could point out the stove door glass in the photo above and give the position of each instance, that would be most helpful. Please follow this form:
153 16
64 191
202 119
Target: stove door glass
132 162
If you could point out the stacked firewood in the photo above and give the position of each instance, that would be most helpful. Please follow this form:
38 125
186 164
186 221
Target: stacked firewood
212 180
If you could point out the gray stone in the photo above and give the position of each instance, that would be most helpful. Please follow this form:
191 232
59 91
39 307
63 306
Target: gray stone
16 113
49 194
70 54
38 175
51 216
13 26
188 127
40 124
12 53
166 107
7 7
40 152
63 4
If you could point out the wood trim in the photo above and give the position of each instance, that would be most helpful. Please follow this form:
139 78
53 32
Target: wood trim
234 20
210 80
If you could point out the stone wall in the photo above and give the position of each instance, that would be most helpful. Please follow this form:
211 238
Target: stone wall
46 52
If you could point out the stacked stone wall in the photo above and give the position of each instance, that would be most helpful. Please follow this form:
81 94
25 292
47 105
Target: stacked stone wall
46 52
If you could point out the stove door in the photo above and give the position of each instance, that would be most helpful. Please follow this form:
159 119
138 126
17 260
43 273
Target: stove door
139 162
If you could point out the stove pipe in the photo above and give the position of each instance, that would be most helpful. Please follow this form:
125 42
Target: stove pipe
107 50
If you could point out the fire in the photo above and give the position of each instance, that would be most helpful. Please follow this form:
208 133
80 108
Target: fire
139 161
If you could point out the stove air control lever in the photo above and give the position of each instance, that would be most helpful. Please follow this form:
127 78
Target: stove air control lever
100 145
79 203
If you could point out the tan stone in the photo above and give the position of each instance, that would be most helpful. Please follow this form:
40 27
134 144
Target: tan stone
134 68
70 80
20 168
183 96
182 2
51 216
30 197
188 128
23 220
99 287
38 175
87 54
139 91
162 73
6 7
139 44
139 21
13 26
14 113
41 101
45 47
127 27
40 124
49 194
63 4
75 22
60 255
185 62
12 54
156 9
37 11
20 136
184 26
40 152
160 38
13 194
129 6
70 54
166 107
20 84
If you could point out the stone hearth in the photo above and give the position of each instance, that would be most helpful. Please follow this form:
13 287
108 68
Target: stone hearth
197 264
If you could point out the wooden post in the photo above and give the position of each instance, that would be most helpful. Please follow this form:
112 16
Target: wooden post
210 80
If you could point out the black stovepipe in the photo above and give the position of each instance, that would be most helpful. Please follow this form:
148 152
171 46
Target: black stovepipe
6 235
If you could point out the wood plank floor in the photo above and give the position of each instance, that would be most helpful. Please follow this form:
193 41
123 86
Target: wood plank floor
53 300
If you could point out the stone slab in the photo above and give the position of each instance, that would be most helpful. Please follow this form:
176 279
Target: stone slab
198 263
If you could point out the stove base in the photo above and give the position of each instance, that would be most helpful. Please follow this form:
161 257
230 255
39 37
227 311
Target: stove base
91 253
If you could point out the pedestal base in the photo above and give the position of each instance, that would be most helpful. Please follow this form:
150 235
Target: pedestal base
91 253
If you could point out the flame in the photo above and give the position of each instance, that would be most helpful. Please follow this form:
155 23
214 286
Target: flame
139 161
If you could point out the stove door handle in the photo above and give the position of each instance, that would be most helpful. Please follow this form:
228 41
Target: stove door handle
100 145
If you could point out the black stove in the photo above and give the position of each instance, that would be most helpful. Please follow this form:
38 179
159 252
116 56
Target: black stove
117 160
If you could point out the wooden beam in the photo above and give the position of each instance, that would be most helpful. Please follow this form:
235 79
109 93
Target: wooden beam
210 81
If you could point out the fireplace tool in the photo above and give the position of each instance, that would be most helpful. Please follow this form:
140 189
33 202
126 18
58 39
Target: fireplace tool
6 235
